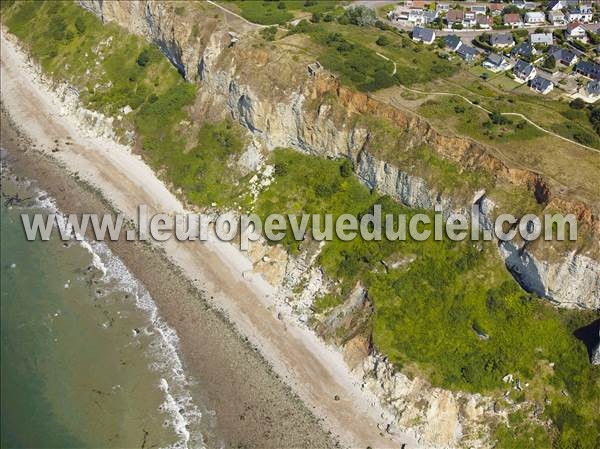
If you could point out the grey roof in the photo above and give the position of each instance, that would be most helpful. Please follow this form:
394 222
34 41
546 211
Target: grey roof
501 39
424 34
452 40
542 38
562 54
593 87
495 58
523 68
466 52
589 69
540 83
523 49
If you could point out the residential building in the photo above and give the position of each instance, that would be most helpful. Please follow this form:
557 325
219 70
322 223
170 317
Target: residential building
442 7
563 55
541 38
592 89
496 63
425 35
452 42
479 9
502 40
513 20
588 69
467 52
556 18
530 6
524 71
576 31
496 9
484 22
555 5
582 13
541 85
454 16
524 50
469 19
519 3
532 18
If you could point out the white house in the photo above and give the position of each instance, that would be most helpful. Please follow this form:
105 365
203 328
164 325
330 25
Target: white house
425 35
541 85
581 13
555 5
556 17
524 71
576 31
542 38
534 17
592 90
502 40
513 20
496 63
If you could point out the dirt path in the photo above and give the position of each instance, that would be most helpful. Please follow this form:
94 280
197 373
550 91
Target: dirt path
315 371
514 114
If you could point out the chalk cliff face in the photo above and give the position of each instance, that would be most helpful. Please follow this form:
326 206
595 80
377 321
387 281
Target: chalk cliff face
292 102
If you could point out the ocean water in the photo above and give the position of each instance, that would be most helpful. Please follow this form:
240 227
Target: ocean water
86 361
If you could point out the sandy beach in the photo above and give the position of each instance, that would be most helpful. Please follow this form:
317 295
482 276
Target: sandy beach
253 404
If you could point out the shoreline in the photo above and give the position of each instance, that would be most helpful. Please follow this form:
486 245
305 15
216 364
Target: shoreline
315 371
158 275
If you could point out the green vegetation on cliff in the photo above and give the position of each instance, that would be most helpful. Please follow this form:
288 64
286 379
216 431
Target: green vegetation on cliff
448 310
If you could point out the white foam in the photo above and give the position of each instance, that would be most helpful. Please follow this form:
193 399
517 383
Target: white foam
178 404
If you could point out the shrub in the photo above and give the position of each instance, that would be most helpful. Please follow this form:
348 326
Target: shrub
382 41
578 103
269 33
584 138
144 58
550 62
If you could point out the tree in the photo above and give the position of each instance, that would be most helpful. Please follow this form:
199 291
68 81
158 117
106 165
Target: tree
550 62
316 17
144 58
80 25
382 41
361 15
281 5
578 103
498 119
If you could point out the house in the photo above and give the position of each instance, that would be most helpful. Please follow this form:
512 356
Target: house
496 63
484 22
454 17
592 89
502 40
425 35
542 39
555 5
513 20
582 13
541 85
576 31
530 5
524 71
452 42
519 3
556 18
469 19
442 7
532 18
496 9
562 55
588 69
479 9
467 53
420 17
524 50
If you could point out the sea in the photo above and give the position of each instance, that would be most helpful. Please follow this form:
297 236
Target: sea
87 361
